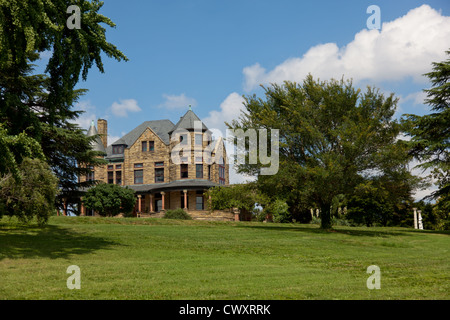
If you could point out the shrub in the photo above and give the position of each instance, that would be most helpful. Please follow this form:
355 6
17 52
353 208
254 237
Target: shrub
108 200
177 214
31 197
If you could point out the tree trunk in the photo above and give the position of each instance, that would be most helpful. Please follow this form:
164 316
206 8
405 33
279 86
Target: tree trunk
325 217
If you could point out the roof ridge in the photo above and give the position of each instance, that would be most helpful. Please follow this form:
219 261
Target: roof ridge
187 122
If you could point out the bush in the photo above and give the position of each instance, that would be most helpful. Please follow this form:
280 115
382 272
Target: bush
177 214
33 196
108 200
279 210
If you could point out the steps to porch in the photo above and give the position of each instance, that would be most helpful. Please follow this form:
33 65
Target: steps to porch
198 215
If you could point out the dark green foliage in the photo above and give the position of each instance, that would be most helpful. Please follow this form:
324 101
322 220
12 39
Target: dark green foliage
368 205
42 105
109 200
14 149
240 196
430 136
177 214
331 137
33 197
279 211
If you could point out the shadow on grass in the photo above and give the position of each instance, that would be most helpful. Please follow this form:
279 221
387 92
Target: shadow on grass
352 231
47 242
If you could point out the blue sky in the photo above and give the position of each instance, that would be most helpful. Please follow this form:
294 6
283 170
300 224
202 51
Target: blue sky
209 53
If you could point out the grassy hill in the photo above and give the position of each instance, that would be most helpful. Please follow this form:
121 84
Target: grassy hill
129 258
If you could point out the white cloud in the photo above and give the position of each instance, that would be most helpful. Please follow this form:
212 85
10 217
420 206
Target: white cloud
230 109
417 98
177 102
127 105
405 47
89 115
112 139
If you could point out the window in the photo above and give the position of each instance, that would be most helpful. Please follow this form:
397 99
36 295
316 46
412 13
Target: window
159 175
198 139
119 177
110 177
138 165
159 164
184 171
90 176
151 145
110 167
199 203
138 176
183 139
199 171
118 149
118 166
221 174
144 146
209 172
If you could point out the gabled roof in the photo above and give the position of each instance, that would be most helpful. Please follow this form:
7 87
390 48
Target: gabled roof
187 122
97 144
160 127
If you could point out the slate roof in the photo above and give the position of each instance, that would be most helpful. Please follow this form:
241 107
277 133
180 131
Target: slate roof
163 128
97 144
187 122
160 127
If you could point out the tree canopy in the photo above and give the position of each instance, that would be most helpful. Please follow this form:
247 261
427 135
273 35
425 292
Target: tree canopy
41 106
332 138
430 134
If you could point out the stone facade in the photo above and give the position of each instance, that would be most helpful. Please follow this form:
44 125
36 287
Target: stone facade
147 160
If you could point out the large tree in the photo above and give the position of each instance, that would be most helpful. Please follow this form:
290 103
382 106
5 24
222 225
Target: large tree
42 105
430 134
332 137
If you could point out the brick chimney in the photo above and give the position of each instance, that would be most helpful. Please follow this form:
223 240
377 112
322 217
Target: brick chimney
102 126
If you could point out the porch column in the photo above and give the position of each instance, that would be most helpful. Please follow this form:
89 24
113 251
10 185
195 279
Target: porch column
82 208
151 202
139 204
236 214
162 200
185 199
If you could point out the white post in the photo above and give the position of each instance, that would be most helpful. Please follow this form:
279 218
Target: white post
420 220
415 218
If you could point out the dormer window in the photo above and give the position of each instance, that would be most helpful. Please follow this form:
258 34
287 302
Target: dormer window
118 149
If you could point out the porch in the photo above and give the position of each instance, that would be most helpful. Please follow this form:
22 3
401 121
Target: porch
154 199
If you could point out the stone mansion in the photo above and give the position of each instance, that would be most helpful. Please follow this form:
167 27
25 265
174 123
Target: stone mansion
168 165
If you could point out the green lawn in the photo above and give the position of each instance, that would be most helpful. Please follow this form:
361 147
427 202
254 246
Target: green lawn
169 259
